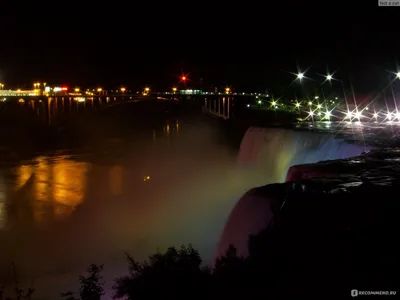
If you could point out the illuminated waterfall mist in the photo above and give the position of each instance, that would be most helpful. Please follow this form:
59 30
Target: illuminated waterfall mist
60 213
135 192
267 153
265 156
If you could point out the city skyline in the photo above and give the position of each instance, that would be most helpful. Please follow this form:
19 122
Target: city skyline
303 78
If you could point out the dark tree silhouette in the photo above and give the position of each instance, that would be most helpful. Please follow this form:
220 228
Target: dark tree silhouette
19 293
169 274
91 285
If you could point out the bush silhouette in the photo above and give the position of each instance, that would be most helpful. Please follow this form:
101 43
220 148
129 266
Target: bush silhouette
169 274
91 285
19 293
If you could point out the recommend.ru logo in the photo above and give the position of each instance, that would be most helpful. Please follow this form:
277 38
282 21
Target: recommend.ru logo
355 293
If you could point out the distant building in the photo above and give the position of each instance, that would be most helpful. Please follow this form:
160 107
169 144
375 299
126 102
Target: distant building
191 92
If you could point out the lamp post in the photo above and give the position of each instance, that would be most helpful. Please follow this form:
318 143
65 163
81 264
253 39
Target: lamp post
328 78
300 76
122 92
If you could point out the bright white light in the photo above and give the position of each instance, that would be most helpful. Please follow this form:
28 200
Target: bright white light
297 104
328 114
329 77
398 74
311 113
300 76
349 114
310 103
316 97
57 89
389 116
398 116
375 115
319 106
319 113
273 103
248 105
358 115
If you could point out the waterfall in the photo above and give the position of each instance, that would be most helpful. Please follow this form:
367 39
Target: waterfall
265 155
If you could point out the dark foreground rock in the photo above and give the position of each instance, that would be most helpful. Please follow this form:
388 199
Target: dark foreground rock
321 236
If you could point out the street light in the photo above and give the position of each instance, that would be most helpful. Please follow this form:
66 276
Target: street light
174 89
77 90
99 90
123 90
300 76
328 114
329 77
2 86
358 115
147 90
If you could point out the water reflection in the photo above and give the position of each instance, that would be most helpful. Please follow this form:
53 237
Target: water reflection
24 172
155 191
220 106
59 186
47 189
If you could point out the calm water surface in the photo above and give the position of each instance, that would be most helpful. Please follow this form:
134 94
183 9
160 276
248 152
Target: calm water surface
164 186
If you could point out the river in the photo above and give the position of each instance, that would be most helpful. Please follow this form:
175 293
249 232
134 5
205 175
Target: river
167 184
134 183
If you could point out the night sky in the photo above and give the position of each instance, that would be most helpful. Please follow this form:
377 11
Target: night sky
249 47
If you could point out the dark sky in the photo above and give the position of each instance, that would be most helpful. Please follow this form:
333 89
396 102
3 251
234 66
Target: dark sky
245 45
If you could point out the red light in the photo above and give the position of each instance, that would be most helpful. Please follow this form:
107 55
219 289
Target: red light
184 77
64 89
